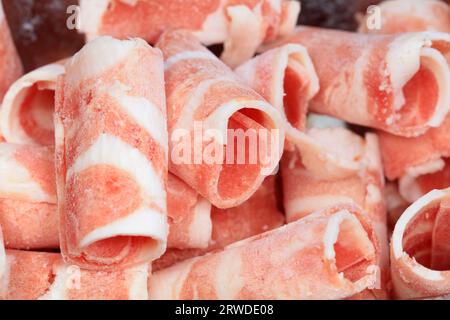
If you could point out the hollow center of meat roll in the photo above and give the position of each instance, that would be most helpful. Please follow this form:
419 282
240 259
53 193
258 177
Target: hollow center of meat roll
108 205
348 243
115 249
426 97
427 236
421 97
36 114
249 148
351 251
295 99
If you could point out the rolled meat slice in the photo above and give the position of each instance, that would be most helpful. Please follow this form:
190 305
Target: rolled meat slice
420 250
225 138
28 197
255 216
286 78
111 155
242 25
364 83
28 212
408 16
27 111
28 275
189 216
305 192
10 65
330 255
420 164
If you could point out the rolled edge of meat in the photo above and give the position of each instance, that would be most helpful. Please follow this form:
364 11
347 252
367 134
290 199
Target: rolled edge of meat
205 97
305 191
420 254
330 255
286 78
365 84
27 111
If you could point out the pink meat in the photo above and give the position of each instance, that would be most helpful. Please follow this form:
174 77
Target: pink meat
363 83
203 95
111 155
330 255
